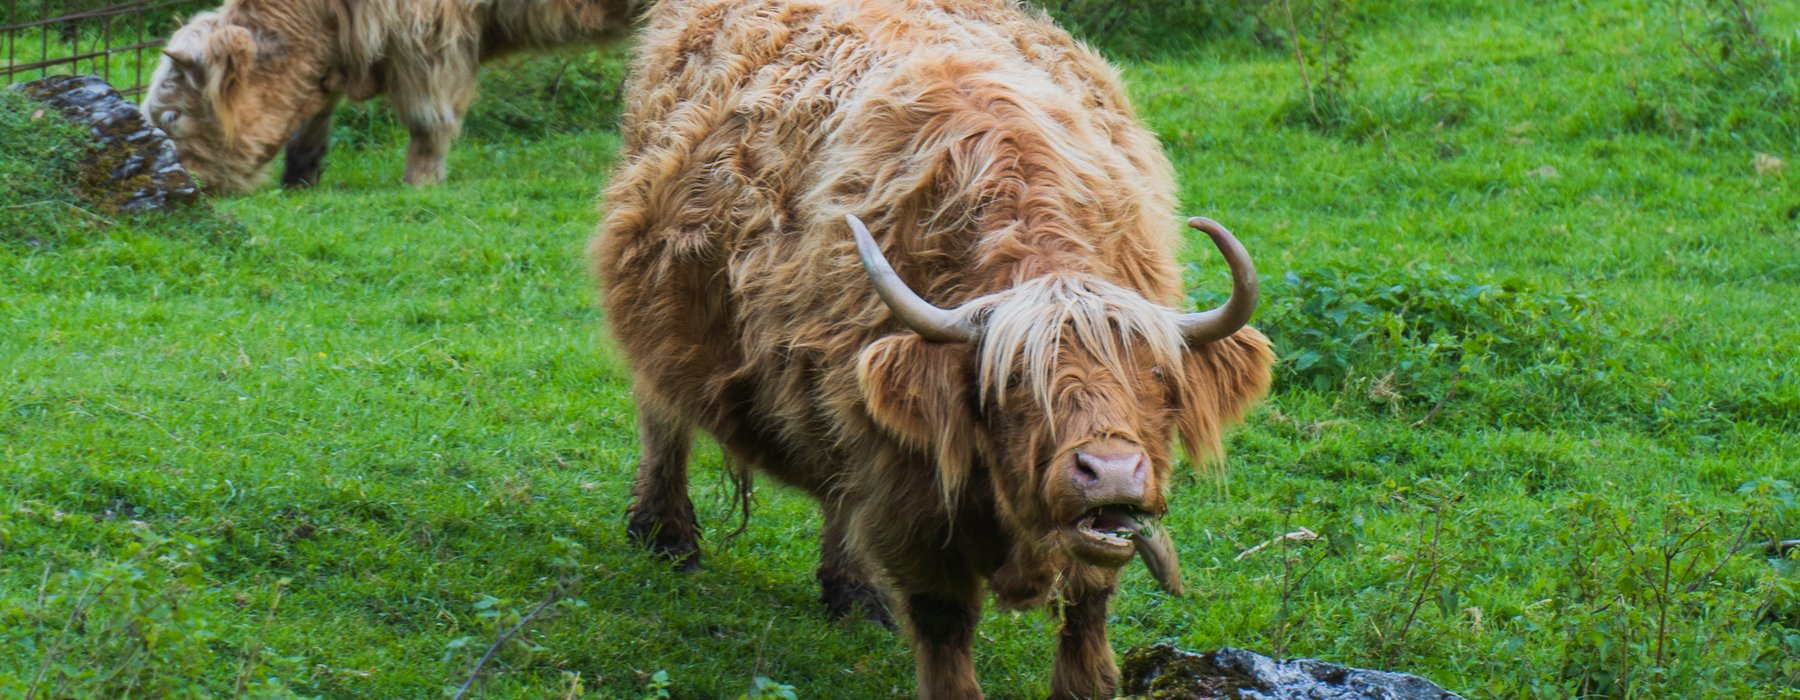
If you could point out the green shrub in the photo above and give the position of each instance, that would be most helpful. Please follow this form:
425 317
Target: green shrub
1148 28
1739 83
1321 34
1412 332
1652 592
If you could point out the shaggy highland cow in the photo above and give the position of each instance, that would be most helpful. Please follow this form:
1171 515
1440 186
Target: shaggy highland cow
1013 433
236 84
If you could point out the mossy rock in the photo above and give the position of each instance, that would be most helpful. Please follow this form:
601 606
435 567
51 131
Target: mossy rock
1164 672
133 166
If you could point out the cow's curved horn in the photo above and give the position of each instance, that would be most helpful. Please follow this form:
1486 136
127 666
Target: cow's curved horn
930 322
1207 326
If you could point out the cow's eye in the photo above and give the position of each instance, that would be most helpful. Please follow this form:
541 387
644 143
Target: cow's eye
1156 371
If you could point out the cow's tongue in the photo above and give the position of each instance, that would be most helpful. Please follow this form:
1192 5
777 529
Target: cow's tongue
1116 519
1112 525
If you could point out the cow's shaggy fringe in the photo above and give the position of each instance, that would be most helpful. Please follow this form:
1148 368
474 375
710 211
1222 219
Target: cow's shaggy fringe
1025 328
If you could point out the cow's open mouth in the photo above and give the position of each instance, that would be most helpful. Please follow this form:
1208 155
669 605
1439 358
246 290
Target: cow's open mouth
1109 535
1112 526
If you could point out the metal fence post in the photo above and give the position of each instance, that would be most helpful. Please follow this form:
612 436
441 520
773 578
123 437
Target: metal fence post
100 48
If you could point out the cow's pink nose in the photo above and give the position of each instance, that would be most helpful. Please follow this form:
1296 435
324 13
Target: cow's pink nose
1116 477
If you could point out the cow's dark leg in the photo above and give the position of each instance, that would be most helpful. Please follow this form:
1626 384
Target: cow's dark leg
943 641
306 150
844 581
1084 659
661 517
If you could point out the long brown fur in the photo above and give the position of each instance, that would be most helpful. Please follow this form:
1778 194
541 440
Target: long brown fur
999 164
238 83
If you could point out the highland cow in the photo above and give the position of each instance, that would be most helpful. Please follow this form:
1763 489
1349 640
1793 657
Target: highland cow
1012 434
237 84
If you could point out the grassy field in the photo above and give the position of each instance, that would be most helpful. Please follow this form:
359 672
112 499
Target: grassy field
1533 282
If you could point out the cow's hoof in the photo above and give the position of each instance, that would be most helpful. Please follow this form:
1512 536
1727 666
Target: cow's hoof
667 542
299 180
424 174
843 598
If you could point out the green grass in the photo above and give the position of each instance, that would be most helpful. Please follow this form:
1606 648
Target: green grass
332 442
44 152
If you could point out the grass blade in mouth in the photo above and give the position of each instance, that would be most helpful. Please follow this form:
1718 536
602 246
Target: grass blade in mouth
1157 549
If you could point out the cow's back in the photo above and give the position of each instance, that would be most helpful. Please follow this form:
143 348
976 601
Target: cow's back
729 276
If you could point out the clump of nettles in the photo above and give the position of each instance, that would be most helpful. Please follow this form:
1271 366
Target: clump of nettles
1411 334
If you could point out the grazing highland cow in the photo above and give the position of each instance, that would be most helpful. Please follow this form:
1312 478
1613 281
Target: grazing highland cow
236 84
1015 428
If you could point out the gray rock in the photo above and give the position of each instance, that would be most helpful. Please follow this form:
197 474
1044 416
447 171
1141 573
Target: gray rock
134 166
1164 672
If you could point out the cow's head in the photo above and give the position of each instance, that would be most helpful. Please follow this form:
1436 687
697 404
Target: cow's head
1070 391
230 96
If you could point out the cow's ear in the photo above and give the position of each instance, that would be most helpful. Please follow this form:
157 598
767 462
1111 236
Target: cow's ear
1218 383
920 393
186 48
186 59
230 52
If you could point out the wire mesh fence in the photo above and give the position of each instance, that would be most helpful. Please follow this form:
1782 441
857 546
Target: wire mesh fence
113 40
